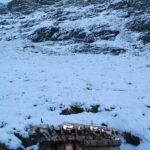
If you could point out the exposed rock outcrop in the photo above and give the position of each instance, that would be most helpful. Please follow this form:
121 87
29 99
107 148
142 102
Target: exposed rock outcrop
22 6
28 6
77 35
3 9
139 24
131 139
44 34
3 147
91 49
145 38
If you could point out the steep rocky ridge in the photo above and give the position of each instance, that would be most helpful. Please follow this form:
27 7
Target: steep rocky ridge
99 23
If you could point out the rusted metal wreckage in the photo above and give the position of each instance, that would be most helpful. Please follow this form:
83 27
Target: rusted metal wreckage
70 136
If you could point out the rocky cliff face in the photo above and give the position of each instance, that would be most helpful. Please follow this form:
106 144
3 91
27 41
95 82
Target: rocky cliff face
28 6
99 25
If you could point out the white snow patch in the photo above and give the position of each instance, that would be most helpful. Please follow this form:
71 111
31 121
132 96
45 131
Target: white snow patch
4 1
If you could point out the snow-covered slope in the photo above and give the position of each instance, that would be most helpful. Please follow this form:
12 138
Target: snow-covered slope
4 1
74 52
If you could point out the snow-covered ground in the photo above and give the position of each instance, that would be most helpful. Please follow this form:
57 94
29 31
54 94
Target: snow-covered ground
4 1
31 84
34 80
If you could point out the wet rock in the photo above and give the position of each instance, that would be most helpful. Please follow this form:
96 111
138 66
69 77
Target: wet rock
122 4
85 2
28 6
145 38
77 35
3 9
47 2
3 147
104 124
88 87
55 34
78 108
73 109
4 22
20 148
106 34
52 108
22 6
87 49
28 24
109 108
28 46
3 124
58 14
131 139
90 49
148 106
93 109
139 24
114 115
127 4
116 51
131 7
44 34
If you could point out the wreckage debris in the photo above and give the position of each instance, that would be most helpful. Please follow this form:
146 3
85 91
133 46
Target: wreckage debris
68 136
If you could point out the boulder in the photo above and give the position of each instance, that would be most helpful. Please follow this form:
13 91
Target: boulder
93 109
131 139
145 38
44 34
3 147
106 34
73 109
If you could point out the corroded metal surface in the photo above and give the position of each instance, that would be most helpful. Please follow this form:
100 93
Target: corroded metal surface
70 136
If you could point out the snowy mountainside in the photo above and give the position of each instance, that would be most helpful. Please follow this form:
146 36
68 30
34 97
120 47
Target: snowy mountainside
54 54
